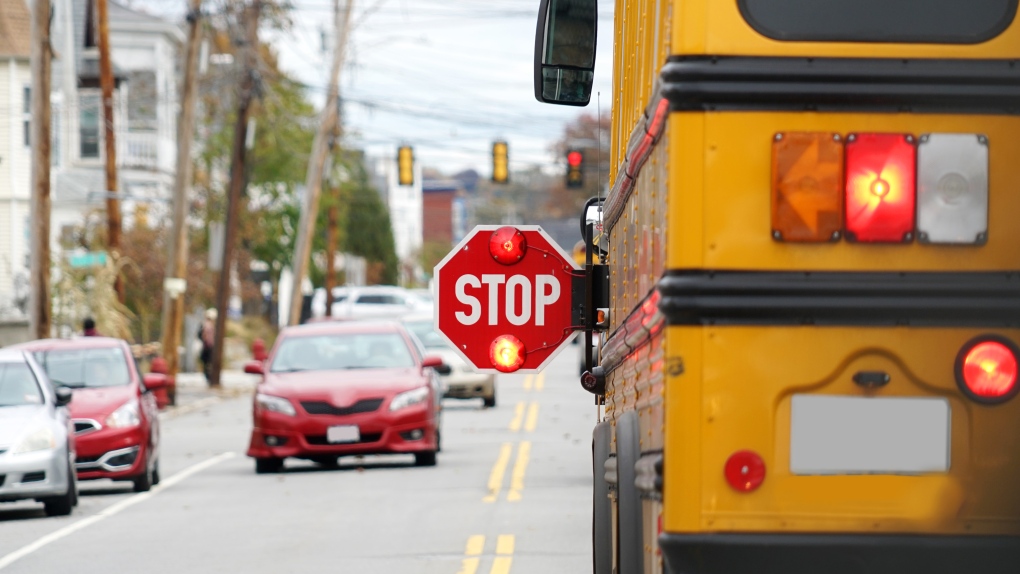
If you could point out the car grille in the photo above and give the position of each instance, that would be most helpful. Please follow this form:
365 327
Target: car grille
324 408
83 426
320 439
86 459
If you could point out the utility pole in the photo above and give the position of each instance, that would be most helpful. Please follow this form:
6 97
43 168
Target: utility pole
237 179
320 146
106 82
42 55
332 232
177 256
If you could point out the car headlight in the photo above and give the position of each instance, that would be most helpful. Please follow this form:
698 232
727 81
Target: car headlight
125 416
41 439
409 398
275 404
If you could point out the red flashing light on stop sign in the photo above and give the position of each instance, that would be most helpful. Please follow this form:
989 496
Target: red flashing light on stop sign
880 187
507 245
507 353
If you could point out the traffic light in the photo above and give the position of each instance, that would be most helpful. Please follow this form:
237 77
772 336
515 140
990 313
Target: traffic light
500 163
405 165
575 167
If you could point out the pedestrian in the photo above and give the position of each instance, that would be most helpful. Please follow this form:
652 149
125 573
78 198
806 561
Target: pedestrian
88 327
207 335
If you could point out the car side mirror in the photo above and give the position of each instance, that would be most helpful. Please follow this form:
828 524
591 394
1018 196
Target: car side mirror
255 368
154 381
64 396
565 51
436 362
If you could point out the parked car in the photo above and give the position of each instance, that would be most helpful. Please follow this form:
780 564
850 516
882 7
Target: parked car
368 302
36 437
116 423
344 388
460 380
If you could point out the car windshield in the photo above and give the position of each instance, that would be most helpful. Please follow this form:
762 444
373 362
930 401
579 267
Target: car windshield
342 351
85 367
18 386
427 334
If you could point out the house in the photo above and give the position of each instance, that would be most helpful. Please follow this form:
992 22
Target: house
144 54
443 212
15 157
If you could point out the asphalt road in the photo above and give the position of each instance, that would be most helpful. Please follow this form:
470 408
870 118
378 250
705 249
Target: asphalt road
511 493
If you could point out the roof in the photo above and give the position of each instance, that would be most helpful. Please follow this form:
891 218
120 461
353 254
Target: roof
119 13
11 355
76 343
15 29
342 327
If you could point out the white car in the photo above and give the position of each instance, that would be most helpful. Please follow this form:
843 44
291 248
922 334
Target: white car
462 381
368 302
36 437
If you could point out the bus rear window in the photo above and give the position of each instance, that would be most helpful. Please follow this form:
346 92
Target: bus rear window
894 21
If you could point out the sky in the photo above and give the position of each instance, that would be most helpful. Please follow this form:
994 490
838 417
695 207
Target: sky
448 77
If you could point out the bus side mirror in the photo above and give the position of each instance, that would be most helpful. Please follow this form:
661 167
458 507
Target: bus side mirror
565 51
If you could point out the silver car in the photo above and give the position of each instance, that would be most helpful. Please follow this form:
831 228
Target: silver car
36 437
460 379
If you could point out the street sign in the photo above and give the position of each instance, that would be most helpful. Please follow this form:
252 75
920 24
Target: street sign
504 298
88 259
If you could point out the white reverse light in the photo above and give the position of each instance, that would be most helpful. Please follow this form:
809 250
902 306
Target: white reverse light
952 189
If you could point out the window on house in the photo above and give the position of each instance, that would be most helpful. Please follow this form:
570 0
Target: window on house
141 101
26 115
88 125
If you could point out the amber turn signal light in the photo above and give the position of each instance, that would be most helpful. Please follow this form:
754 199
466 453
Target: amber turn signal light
807 186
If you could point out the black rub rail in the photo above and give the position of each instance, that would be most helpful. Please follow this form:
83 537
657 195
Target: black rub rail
978 299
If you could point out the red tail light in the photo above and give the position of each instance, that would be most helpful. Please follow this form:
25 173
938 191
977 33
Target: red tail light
507 353
507 245
880 187
745 470
986 369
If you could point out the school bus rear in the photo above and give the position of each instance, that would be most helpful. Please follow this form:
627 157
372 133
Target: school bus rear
815 285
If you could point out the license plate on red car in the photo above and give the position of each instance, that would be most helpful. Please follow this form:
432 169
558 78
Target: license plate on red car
344 433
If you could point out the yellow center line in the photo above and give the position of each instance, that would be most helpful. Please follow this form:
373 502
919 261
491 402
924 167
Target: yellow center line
528 380
532 420
504 551
520 467
498 471
515 424
540 381
475 545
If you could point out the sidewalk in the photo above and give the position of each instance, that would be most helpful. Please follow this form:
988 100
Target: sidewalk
193 393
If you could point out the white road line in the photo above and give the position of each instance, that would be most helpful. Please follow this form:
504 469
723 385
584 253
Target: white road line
111 510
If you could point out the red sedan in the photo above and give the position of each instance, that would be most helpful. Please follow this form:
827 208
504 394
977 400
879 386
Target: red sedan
338 389
114 411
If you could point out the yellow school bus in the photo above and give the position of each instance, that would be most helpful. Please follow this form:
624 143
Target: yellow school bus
814 268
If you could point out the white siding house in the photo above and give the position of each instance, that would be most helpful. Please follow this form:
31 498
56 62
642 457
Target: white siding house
15 157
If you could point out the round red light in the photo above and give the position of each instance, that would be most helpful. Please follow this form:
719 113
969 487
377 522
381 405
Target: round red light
574 158
507 245
745 470
986 369
507 353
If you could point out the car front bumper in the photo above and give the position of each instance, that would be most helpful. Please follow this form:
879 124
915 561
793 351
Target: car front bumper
117 454
838 553
37 474
382 432
469 385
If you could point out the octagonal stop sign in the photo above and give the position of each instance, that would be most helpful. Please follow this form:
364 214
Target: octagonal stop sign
503 298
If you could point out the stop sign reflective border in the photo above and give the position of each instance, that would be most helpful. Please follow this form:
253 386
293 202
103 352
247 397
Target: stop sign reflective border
480 299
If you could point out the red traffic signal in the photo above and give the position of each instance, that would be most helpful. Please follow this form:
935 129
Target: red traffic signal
575 166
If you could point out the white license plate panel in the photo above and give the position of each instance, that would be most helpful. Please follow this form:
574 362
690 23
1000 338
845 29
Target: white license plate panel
860 435
343 434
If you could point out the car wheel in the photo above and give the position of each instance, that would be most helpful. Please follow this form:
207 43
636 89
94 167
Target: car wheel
63 505
143 482
439 441
155 473
490 401
427 458
268 465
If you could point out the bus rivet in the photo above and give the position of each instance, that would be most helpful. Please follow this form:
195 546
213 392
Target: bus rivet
779 137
